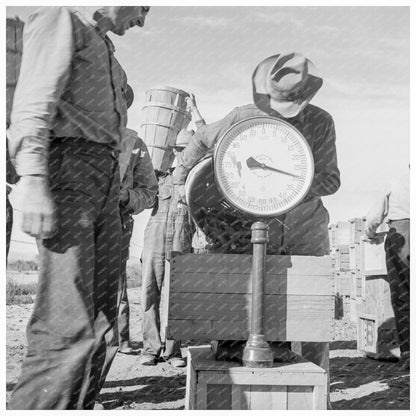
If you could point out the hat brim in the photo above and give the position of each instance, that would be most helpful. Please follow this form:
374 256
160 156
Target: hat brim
264 101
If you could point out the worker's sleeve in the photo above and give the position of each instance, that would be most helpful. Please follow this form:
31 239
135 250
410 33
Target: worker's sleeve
203 141
200 123
48 47
326 180
143 193
377 213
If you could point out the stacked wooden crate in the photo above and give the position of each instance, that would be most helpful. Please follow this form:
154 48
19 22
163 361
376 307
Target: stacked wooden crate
376 329
344 238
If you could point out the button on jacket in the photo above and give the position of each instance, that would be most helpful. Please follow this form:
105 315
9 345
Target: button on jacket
59 93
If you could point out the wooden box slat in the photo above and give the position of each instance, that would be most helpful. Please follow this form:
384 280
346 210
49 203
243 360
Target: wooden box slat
218 282
242 263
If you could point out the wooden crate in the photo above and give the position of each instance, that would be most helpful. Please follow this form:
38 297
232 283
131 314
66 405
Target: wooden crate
343 283
357 228
340 233
355 256
376 331
373 258
342 258
224 385
210 297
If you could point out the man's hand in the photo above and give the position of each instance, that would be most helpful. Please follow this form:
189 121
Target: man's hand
124 196
37 206
190 102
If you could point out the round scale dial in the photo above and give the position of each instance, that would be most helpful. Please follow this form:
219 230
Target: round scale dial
263 166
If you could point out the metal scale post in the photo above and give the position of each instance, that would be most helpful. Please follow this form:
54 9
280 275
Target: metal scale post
257 352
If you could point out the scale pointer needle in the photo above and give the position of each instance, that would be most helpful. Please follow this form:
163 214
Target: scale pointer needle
253 164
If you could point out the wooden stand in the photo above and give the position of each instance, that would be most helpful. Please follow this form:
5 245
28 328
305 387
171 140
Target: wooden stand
222 385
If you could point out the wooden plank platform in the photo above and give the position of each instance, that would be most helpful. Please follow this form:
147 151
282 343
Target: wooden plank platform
210 298
223 385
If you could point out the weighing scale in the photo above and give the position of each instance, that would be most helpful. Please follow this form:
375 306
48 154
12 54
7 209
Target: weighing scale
262 167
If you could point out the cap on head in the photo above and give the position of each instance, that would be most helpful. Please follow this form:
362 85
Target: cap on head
184 137
283 82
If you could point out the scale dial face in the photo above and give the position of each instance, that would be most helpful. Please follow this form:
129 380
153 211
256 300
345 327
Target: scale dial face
263 166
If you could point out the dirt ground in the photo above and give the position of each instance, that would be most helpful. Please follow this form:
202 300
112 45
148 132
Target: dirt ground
357 382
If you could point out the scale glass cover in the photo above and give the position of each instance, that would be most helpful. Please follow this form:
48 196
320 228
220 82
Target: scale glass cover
263 166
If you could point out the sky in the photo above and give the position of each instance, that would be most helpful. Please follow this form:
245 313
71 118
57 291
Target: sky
362 54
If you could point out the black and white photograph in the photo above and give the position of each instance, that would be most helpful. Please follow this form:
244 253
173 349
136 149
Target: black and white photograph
208 206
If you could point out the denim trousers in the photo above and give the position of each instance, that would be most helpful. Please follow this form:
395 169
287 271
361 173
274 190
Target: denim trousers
124 308
397 247
75 314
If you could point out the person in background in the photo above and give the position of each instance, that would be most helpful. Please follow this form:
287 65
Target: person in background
393 206
11 178
168 230
137 192
68 118
283 88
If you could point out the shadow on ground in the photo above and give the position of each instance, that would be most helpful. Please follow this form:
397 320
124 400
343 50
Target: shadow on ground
364 383
155 390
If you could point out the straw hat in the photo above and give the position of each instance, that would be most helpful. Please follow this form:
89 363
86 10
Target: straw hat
283 82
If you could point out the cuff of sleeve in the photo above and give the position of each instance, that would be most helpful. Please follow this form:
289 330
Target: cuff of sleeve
369 233
32 157
200 123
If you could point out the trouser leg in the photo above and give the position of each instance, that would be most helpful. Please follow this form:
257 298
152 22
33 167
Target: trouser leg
172 347
9 224
60 332
398 273
152 279
153 273
106 296
124 309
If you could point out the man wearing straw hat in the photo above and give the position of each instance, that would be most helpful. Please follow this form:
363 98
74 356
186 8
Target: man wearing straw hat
168 231
67 121
283 88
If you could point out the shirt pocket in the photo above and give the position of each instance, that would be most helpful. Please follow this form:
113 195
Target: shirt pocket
165 191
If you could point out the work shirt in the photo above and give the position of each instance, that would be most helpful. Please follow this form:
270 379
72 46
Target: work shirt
70 85
138 175
304 229
392 204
